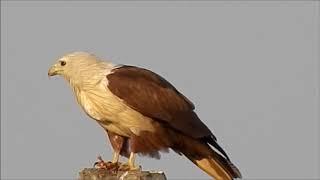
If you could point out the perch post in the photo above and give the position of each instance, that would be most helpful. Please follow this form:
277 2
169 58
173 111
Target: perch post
103 174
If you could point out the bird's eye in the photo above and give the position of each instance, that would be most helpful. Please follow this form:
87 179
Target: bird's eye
63 63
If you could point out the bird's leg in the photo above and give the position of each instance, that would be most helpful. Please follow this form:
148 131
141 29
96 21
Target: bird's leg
131 161
117 144
115 157
130 165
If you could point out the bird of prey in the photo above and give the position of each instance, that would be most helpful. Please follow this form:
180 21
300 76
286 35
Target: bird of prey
142 113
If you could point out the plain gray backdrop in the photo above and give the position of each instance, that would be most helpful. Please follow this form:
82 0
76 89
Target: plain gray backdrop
251 69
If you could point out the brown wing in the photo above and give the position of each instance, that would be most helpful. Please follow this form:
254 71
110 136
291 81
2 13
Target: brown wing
153 96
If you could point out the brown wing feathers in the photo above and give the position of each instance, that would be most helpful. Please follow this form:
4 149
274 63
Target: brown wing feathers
154 97
149 94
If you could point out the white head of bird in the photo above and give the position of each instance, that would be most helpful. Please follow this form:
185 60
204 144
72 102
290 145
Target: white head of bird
80 69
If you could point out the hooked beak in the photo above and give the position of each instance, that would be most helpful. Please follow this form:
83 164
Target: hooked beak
53 71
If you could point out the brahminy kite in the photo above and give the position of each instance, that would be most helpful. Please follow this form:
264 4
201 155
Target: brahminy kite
142 113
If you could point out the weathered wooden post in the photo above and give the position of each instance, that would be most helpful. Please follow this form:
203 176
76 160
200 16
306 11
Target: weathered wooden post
104 174
107 171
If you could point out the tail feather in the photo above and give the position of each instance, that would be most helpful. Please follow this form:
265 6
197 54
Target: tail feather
212 168
208 160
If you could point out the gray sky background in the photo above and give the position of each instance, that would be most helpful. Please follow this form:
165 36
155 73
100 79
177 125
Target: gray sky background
250 68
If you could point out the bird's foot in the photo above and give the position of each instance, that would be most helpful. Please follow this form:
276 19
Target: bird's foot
111 166
128 167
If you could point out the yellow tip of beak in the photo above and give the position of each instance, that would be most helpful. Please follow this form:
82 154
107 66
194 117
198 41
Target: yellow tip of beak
52 71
